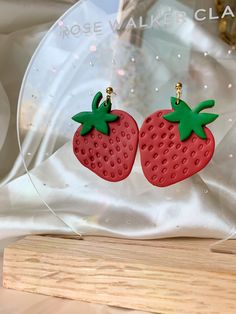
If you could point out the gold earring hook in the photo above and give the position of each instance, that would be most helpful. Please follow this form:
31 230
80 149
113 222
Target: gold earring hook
109 92
178 88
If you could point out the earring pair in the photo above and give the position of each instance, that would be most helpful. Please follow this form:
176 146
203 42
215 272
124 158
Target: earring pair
174 144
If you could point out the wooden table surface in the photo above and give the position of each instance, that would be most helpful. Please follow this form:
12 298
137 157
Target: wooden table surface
17 302
181 276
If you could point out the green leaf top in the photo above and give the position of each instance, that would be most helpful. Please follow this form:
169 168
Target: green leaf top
191 120
98 118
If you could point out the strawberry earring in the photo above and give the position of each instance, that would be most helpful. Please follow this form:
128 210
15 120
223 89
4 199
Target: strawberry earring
176 144
107 140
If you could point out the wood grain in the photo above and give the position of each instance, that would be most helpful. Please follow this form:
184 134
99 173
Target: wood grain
165 276
227 247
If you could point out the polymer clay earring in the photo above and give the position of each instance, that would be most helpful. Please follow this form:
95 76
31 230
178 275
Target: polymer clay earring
107 140
176 144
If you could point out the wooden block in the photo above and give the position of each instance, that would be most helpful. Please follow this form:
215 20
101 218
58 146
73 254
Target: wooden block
165 276
227 247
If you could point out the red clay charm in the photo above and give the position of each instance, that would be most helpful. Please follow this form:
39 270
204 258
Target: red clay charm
175 144
106 142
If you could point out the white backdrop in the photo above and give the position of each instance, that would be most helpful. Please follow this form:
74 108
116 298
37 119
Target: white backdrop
202 206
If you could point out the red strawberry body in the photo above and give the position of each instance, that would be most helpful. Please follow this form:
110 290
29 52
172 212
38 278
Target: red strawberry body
165 158
110 156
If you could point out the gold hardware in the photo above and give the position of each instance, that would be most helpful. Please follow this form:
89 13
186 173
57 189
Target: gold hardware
109 92
178 88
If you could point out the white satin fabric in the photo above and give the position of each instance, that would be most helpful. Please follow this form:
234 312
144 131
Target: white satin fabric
61 80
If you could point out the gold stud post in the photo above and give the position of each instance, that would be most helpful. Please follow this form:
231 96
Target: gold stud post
110 91
178 88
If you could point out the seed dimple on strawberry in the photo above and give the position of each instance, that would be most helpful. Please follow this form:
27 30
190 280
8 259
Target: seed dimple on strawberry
106 142
175 144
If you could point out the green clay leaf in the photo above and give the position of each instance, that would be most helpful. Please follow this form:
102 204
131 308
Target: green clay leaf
96 101
181 107
198 129
99 118
105 107
191 120
81 117
204 105
206 118
111 117
86 128
102 127
184 131
172 117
